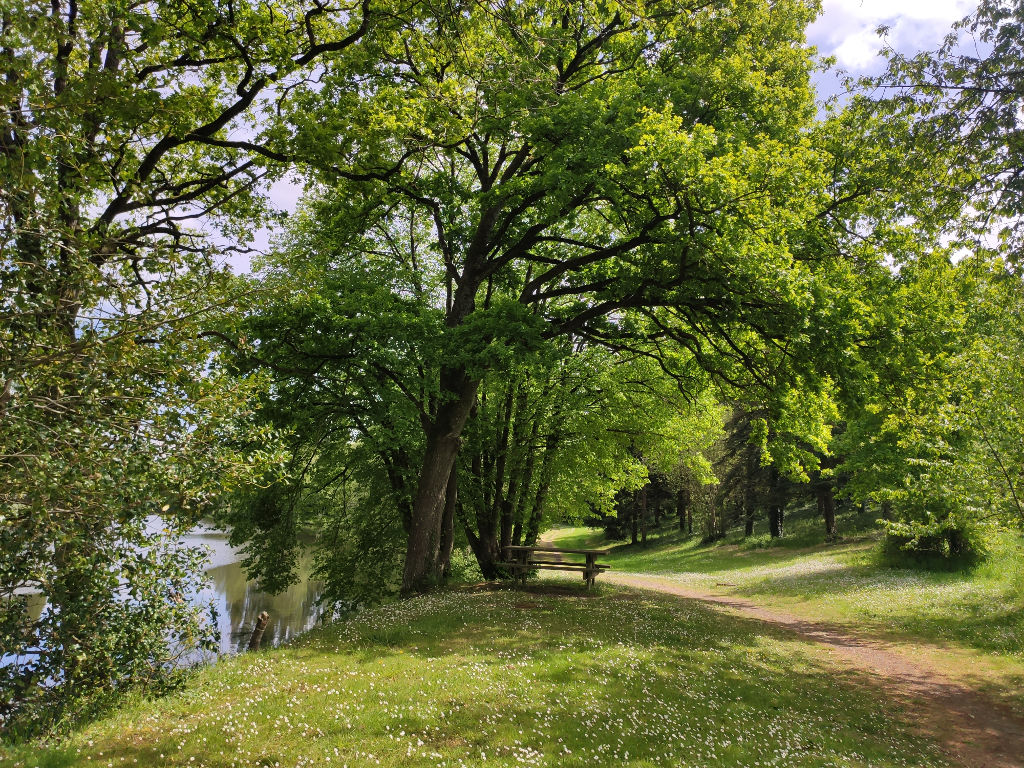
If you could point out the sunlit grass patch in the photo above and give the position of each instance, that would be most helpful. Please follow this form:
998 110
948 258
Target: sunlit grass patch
981 607
513 678
979 610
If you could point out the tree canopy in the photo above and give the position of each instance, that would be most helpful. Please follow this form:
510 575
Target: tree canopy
635 177
126 140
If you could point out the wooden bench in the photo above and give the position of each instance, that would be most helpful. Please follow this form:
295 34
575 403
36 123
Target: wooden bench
522 560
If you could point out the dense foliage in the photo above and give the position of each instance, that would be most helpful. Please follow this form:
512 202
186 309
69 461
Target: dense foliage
563 259
530 180
118 161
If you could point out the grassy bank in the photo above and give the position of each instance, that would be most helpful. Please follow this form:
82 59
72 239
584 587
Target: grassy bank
550 676
976 614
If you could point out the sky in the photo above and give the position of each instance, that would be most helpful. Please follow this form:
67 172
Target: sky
846 30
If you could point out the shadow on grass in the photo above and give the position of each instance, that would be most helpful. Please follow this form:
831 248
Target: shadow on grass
544 677
690 556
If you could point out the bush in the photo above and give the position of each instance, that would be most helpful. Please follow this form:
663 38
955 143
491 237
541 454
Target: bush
948 548
464 568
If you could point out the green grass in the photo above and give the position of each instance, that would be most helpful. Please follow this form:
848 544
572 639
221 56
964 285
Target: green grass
548 677
977 613
981 608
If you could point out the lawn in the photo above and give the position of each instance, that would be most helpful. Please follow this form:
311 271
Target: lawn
981 608
548 676
979 611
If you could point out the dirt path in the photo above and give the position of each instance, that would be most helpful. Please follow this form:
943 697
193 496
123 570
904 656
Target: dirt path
976 731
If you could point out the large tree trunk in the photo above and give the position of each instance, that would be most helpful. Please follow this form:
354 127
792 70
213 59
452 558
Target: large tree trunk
775 520
537 513
451 497
506 527
551 445
682 502
480 551
827 508
524 510
517 532
443 440
489 467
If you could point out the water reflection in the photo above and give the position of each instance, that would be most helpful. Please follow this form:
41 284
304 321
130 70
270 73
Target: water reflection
239 602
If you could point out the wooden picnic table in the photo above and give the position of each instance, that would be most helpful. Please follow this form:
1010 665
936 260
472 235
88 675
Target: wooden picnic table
521 560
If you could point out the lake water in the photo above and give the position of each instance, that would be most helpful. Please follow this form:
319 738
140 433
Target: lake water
238 601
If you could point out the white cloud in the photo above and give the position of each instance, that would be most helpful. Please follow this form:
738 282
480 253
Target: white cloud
846 30
878 10
859 50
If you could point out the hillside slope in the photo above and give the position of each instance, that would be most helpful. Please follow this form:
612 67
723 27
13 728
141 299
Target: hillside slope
547 676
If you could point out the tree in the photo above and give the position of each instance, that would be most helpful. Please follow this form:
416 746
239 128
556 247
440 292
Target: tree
990 377
353 348
922 406
349 347
627 175
964 102
129 132
933 435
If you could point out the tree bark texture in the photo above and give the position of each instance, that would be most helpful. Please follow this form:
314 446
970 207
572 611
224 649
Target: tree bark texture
443 441
827 508
682 502
451 498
